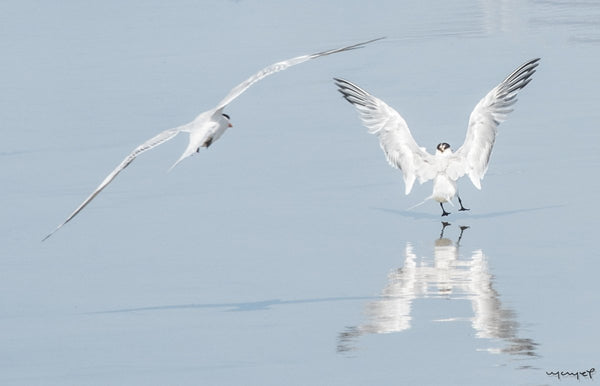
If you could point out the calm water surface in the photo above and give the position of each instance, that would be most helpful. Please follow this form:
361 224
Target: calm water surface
285 254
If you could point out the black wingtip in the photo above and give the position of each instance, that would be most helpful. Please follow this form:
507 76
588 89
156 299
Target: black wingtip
340 82
50 234
360 45
534 62
347 48
363 44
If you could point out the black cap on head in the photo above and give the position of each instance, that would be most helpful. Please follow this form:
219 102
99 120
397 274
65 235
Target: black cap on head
443 146
226 116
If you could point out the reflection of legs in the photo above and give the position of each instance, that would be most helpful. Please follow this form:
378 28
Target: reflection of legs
461 205
444 225
462 229
444 213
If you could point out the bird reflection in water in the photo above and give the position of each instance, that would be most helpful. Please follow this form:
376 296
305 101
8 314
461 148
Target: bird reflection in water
448 276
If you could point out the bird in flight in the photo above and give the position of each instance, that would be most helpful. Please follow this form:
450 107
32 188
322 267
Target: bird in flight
444 167
207 127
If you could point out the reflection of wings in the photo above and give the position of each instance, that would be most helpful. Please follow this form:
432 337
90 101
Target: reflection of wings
149 144
445 276
474 154
491 319
280 66
392 312
395 139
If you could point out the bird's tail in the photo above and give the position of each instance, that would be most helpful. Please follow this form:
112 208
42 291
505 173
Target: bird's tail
183 156
191 149
420 203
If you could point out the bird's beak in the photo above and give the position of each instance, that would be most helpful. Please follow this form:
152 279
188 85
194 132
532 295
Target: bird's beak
230 125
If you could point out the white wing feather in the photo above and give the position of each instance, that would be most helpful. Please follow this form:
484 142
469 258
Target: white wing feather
473 157
149 144
280 66
395 138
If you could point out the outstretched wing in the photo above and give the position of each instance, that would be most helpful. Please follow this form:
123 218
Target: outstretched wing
149 144
395 139
474 155
280 66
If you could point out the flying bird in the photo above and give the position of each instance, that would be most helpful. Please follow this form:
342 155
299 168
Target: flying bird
444 167
207 127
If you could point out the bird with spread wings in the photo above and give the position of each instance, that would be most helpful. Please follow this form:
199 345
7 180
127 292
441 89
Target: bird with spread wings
444 167
207 127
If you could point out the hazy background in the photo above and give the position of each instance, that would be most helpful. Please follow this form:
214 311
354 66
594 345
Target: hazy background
285 253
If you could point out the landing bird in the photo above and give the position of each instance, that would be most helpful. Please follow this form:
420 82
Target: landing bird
207 127
444 167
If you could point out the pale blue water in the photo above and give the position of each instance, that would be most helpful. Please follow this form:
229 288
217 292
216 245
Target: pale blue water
285 253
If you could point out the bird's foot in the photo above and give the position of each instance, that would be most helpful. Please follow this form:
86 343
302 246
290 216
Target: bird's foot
462 208
444 213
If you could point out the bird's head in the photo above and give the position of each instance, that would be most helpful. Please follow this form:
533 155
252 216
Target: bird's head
443 147
227 118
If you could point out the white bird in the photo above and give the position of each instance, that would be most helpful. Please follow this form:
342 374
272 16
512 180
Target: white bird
207 127
445 167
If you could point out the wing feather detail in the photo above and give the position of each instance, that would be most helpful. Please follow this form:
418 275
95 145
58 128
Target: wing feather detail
395 139
473 157
280 66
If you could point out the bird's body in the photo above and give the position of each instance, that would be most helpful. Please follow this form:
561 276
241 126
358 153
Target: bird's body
203 131
444 188
207 127
444 167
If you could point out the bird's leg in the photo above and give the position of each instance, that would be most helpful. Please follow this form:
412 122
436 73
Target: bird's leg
444 213
462 208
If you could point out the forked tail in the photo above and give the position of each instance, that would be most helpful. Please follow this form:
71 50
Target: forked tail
420 203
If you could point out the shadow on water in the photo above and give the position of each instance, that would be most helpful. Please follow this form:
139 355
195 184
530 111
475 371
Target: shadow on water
466 216
448 275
